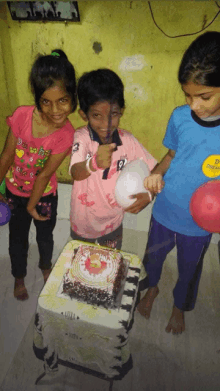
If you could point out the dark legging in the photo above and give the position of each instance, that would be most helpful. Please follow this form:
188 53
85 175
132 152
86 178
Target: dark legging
19 227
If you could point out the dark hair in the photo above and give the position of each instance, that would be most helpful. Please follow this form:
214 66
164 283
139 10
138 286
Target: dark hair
201 61
46 70
100 85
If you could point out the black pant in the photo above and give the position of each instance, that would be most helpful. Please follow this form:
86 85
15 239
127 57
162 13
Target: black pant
113 239
19 227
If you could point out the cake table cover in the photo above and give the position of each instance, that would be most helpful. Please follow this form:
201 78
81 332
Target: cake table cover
79 333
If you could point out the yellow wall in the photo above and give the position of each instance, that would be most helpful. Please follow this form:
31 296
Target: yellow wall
6 75
145 59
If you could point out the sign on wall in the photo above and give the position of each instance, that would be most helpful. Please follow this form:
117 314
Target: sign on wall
44 10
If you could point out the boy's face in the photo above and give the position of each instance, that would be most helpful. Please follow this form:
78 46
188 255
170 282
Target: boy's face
203 100
103 119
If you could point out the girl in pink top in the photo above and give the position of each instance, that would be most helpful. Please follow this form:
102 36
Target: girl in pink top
39 139
100 151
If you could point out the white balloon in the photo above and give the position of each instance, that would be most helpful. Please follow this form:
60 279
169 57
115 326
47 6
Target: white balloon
131 181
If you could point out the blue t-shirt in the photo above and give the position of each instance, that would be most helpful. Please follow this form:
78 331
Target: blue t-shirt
197 161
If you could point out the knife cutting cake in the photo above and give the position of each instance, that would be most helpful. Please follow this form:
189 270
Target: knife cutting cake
95 275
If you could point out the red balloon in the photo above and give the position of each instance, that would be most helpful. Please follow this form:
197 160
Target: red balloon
205 206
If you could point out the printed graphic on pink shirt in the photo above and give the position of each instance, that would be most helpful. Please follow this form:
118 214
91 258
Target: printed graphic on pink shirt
117 166
83 198
113 170
121 133
111 201
27 165
32 153
106 230
74 227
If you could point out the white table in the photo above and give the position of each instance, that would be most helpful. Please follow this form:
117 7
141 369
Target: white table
73 332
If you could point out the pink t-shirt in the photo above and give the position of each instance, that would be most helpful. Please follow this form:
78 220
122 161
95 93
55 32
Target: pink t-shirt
94 210
32 153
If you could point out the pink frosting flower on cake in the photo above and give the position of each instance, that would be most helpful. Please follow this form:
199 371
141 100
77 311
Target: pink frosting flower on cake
94 265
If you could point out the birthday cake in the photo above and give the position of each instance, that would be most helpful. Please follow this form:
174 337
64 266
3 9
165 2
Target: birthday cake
95 276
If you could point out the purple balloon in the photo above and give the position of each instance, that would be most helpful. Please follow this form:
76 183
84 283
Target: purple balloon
5 213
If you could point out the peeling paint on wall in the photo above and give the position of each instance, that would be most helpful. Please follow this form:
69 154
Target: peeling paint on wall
97 47
133 63
138 91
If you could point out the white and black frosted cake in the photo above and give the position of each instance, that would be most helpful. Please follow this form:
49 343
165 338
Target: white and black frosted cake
95 275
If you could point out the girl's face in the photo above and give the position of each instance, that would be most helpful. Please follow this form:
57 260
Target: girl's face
203 100
100 116
56 105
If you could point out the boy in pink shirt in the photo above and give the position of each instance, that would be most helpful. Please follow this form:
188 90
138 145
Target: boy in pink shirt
99 153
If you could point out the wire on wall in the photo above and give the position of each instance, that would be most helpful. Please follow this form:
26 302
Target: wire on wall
183 35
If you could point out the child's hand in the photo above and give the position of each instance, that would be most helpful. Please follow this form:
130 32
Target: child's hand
154 183
142 200
104 155
36 216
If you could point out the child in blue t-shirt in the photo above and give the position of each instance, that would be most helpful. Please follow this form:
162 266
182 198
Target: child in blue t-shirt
193 142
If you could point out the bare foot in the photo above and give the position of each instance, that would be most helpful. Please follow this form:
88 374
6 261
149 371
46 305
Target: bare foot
176 323
46 274
20 291
146 303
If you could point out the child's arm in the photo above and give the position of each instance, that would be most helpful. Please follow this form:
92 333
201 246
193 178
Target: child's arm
7 157
155 181
80 171
142 200
41 182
